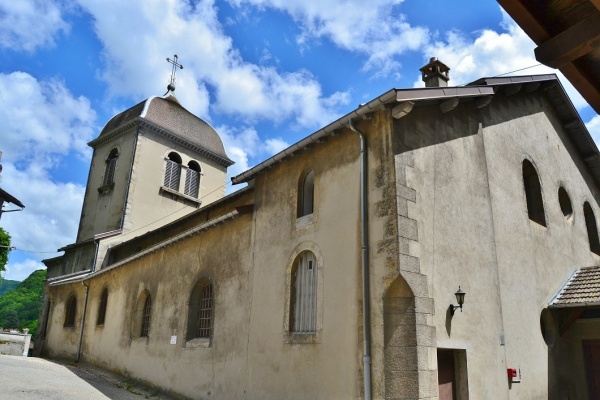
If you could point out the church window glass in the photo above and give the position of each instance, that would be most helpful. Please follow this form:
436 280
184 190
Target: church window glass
201 311
592 228
146 314
111 164
102 307
533 193
71 311
306 194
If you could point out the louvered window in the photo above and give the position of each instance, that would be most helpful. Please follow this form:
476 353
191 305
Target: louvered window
146 317
303 307
111 164
192 181
172 171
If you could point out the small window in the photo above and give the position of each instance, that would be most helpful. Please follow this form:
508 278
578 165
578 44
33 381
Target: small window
592 228
306 194
111 164
533 193
172 171
192 179
102 307
71 311
146 314
201 311
565 202
303 296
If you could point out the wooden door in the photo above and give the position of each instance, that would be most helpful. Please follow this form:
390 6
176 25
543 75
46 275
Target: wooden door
446 374
591 354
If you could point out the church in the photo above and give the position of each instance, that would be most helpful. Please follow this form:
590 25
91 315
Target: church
433 243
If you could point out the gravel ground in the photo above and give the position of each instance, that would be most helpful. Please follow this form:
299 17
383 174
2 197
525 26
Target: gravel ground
28 378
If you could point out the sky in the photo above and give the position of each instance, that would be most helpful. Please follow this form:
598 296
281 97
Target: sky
264 73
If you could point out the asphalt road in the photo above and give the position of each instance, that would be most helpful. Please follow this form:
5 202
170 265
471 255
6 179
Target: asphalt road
28 378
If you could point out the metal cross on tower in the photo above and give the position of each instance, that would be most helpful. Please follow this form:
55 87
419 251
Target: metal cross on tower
171 85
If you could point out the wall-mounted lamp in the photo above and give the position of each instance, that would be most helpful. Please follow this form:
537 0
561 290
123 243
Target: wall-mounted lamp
460 298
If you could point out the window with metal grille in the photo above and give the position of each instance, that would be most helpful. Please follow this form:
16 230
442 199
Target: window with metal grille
71 311
205 312
306 193
146 313
111 164
592 228
533 193
102 307
192 179
303 296
201 311
172 171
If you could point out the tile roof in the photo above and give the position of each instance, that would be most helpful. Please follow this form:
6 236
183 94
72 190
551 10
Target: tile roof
582 288
167 113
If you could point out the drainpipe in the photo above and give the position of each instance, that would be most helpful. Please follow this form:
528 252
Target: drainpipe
365 263
87 289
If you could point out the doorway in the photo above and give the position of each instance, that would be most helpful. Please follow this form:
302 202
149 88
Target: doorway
452 374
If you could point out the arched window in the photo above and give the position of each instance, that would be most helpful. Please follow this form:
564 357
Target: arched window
102 307
533 193
592 228
201 311
306 194
111 164
192 179
146 314
70 311
303 294
172 171
143 313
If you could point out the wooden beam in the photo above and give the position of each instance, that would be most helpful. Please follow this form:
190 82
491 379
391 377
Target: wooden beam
566 324
589 88
526 20
596 3
571 44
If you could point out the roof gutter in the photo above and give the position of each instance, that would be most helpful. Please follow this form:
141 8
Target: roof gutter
317 136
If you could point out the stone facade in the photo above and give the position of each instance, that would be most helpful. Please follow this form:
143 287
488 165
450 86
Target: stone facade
446 208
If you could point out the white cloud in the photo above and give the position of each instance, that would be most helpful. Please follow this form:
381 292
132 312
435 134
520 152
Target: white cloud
21 270
42 120
30 24
244 146
593 127
154 30
490 54
42 123
374 28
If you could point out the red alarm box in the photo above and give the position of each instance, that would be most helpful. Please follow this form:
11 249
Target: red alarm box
512 372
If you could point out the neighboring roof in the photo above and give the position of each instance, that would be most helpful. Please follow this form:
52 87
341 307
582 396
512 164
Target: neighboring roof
480 91
567 33
582 289
5 196
172 119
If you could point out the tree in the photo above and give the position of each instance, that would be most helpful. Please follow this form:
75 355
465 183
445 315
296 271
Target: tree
4 248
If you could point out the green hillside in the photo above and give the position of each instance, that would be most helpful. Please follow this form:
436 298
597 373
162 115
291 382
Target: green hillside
20 308
6 285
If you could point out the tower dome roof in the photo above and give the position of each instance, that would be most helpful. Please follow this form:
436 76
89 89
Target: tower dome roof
175 120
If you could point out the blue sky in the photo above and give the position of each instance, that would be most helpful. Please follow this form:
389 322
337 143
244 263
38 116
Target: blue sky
264 73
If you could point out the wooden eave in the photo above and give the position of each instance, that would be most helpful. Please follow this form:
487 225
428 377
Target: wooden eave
567 33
